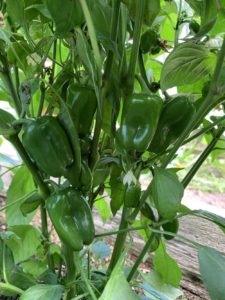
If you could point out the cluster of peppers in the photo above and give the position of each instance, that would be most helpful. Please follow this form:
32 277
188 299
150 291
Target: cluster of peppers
51 149
147 124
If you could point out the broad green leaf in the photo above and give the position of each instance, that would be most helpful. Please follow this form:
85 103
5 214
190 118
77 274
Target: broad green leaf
103 208
212 268
15 10
34 267
21 279
43 292
166 192
166 266
186 64
21 185
72 14
156 289
208 16
24 242
117 189
101 250
117 287
6 256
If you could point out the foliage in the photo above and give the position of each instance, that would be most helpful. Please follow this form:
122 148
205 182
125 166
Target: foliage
97 90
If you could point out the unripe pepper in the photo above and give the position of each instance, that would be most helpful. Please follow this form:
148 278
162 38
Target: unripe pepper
132 195
48 145
172 227
72 218
174 118
139 121
150 42
83 103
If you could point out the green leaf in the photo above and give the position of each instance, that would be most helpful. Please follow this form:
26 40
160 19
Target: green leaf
218 220
166 266
153 285
21 279
43 292
208 16
103 209
6 256
24 242
166 192
186 64
212 268
117 189
15 10
21 185
117 287
72 14
34 267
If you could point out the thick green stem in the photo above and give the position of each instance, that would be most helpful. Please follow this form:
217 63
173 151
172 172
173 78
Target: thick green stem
203 109
113 35
202 158
143 71
71 269
120 240
140 257
140 6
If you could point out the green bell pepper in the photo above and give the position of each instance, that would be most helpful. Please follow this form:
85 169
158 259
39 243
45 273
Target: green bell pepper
72 218
150 42
174 117
132 195
49 147
83 103
139 121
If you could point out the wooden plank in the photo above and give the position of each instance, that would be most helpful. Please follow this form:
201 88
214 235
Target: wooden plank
193 228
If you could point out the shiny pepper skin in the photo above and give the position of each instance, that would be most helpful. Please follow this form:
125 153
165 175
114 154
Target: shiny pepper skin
83 103
139 121
175 115
71 217
132 195
47 144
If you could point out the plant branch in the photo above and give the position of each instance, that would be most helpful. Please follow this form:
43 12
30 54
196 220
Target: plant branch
120 240
202 157
140 257
140 6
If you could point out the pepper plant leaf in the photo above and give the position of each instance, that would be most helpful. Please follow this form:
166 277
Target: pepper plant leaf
187 64
210 259
166 192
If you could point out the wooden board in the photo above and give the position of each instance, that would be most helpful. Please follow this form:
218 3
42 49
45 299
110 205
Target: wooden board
193 228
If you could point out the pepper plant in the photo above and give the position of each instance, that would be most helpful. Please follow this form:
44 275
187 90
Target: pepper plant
105 92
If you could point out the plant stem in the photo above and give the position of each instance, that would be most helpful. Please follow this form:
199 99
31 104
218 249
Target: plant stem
202 109
120 231
143 71
44 189
204 130
202 158
140 6
45 192
92 34
140 257
120 240
113 36
9 82
11 288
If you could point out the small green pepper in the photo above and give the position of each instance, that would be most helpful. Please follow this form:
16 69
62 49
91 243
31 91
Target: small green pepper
139 121
174 118
172 227
83 103
72 218
150 42
132 195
